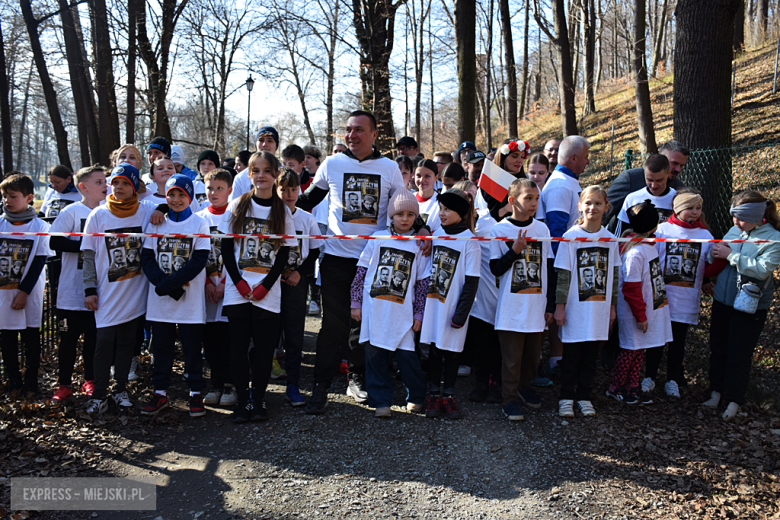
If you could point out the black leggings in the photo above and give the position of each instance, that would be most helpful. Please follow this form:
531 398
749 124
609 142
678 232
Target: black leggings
9 344
72 324
216 347
249 322
675 355
442 362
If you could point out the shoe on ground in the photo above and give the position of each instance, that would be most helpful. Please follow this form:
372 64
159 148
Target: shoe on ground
88 387
196 406
259 412
615 394
314 308
464 371
213 396
566 408
383 412
494 394
356 389
731 411
541 381
229 396
157 403
713 401
415 408
631 397
242 412
648 385
133 374
122 401
96 406
530 398
294 396
433 406
586 408
451 408
671 389
512 411
277 372
318 401
645 398
62 394
479 393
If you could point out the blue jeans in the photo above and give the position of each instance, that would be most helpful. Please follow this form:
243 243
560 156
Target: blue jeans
165 349
379 380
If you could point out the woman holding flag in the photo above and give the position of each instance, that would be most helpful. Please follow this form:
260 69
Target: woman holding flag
496 177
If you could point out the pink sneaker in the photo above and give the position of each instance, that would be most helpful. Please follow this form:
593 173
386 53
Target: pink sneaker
62 394
88 387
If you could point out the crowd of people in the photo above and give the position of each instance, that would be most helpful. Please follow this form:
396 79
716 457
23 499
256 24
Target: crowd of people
425 310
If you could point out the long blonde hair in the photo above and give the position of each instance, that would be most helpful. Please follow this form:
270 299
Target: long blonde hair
587 192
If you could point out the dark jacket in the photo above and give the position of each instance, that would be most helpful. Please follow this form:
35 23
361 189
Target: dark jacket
627 182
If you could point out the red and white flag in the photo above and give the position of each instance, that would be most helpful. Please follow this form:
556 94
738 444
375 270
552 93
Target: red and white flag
495 181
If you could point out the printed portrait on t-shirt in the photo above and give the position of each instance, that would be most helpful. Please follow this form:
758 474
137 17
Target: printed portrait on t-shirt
360 198
657 284
172 254
56 206
15 254
123 264
445 261
214 263
663 214
681 264
256 254
201 198
178 263
165 263
391 279
526 278
592 265
294 256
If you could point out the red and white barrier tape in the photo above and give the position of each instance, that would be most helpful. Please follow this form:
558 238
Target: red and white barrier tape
389 237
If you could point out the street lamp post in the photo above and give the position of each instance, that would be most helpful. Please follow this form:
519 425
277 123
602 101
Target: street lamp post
250 83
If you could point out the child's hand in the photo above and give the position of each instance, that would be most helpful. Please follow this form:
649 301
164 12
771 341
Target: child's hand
548 318
416 325
519 244
708 289
292 279
20 301
721 250
210 289
642 326
425 245
259 292
158 217
357 314
219 292
244 290
91 303
612 315
560 314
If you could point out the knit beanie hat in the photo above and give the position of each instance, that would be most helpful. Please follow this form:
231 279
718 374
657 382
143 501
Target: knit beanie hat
455 202
403 200
643 217
177 155
211 155
268 130
181 182
160 143
129 172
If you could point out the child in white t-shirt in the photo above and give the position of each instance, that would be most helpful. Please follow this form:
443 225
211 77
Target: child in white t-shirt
453 285
586 299
296 277
643 308
208 160
253 291
175 269
60 193
22 260
216 332
425 177
73 318
524 308
160 171
388 298
685 268
657 191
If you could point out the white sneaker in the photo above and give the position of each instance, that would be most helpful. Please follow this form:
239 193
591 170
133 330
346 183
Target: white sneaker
464 371
229 396
133 374
122 400
566 408
212 398
648 385
713 401
671 389
586 408
314 308
96 406
731 411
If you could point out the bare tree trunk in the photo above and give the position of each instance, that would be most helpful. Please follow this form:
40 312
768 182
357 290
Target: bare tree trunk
511 71
644 112
331 76
739 27
589 36
131 59
523 93
407 127
488 76
659 36
108 115
763 18
430 73
49 94
465 14
538 78
418 69
5 112
599 48
23 122
576 10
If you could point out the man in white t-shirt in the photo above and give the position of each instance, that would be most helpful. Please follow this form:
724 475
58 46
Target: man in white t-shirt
363 171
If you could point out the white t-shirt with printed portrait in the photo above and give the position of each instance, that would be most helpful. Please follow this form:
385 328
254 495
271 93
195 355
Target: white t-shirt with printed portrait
485 303
214 266
70 293
305 224
429 212
663 204
54 202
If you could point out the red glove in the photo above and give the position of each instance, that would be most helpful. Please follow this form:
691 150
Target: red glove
243 288
259 292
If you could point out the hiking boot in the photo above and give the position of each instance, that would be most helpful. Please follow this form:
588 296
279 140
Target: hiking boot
433 406
157 403
62 394
479 393
451 409
318 400
357 389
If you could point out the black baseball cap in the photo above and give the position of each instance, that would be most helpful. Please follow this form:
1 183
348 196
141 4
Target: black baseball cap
407 141
475 157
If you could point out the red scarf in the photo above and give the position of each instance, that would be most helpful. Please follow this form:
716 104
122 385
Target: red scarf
217 211
422 199
677 222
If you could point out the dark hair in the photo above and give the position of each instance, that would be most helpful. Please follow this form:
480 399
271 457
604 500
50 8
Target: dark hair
294 152
538 158
288 179
427 163
244 156
770 215
312 150
85 173
219 174
454 171
228 162
657 163
63 172
18 182
278 209
675 146
369 115
404 161
447 156
151 166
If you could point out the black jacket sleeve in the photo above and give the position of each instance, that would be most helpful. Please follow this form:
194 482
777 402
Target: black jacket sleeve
229 260
311 197
465 301
307 267
552 283
501 265
65 244
494 205
188 271
150 268
36 267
